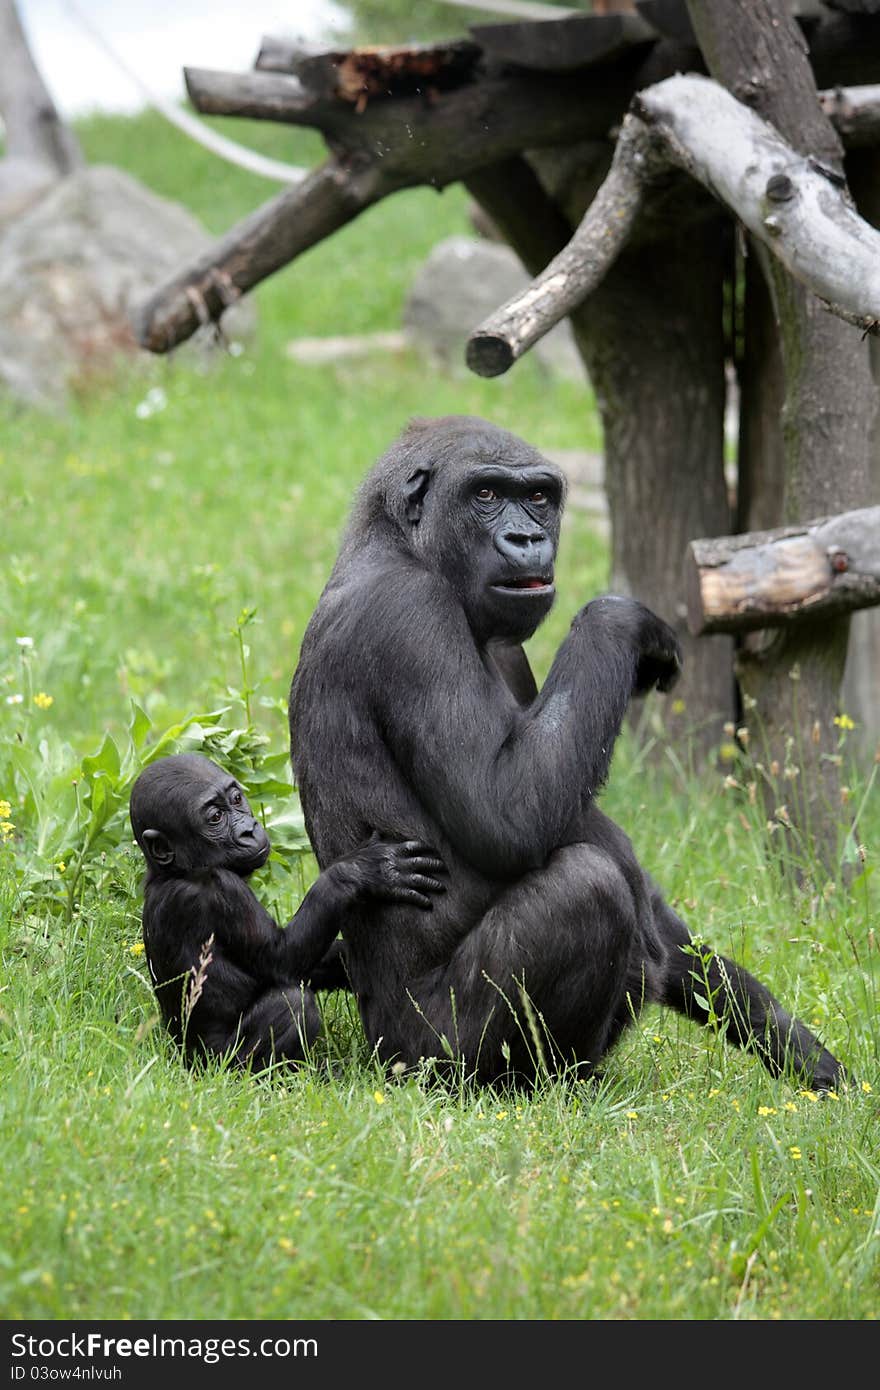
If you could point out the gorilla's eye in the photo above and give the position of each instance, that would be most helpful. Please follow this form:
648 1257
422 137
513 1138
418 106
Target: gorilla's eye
236 798
486 494
538 497
215 815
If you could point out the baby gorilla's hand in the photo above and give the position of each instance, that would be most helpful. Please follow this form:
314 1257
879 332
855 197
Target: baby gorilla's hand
401 871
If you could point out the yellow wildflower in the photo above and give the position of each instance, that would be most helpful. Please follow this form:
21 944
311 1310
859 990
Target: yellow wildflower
378 1097
43 701
5 810
136 948
843 721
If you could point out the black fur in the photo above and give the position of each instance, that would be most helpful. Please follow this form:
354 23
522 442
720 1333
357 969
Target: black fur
413 706
229 981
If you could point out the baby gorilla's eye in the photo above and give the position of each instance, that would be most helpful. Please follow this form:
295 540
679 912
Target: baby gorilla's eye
215 815
486 494
538 497
236 798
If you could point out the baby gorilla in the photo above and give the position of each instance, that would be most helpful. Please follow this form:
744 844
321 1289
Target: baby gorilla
229 981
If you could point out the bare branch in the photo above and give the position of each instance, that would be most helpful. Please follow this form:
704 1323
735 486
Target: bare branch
785 199
855 114
496 344
792 204
263 96
284 227
770 578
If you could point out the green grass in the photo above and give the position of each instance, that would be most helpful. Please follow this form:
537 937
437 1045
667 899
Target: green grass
688 1186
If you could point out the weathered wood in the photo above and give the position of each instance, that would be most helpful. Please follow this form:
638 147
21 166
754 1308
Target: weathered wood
783 198
496 344
668 17
432 141
279 55
389 146
771 578
263 96
561 45
515 200
359 75
35 135
791 675
277 232
855 114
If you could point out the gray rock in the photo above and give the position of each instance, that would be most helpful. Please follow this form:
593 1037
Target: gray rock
73 265
464 280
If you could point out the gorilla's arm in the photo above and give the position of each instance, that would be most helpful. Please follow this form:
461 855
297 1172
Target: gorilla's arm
504 782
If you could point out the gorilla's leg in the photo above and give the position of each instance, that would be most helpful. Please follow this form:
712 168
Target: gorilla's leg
744 1009
539 979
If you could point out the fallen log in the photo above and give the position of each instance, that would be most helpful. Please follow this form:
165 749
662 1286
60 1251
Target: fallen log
765 579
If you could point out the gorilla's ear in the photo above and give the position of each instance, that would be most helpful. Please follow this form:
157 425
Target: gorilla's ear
414 490
157 848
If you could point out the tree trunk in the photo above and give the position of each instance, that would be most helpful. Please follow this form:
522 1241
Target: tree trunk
760 473
791 682
652 338
39 146
861 679
34 130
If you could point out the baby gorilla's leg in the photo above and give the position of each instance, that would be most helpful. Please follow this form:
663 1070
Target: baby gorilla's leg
282 1026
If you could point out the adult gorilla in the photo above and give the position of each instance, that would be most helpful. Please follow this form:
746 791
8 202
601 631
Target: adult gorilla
414 713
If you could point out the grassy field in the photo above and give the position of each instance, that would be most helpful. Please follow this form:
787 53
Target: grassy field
164 545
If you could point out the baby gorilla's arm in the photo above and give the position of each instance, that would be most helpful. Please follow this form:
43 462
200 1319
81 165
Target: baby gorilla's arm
391 871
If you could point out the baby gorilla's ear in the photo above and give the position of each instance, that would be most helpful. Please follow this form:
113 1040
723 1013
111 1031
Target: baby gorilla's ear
157 848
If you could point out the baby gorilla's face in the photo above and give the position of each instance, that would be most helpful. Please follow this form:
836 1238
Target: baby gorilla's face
225 832
190 814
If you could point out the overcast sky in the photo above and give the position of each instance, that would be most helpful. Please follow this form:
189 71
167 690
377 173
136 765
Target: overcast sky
156 38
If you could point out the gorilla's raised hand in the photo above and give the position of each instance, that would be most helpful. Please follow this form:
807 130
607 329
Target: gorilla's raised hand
656 648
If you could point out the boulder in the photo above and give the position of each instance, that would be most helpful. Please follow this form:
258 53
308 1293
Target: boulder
72 266
461 283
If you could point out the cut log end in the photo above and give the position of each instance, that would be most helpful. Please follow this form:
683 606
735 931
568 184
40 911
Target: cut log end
489 355
764 579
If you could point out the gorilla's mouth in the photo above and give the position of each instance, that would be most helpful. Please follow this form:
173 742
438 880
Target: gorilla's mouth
526 584
250 863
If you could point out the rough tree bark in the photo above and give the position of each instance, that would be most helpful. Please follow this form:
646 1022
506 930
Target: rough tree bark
772 578
791 678
861 678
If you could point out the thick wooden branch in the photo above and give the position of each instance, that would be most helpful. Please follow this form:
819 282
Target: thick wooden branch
787 200
855 114
494 346
393 143
284 227
559 45
433 139
771 578
792 204
263 96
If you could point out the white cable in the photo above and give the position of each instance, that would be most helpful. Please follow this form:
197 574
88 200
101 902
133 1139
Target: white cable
229 150
516 9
